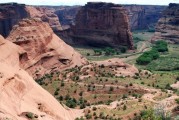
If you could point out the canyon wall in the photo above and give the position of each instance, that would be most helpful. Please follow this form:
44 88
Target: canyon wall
140 16
144 16
168 25
66 15
12 13
102 24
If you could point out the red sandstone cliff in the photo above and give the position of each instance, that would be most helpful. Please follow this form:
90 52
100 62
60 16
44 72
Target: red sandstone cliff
12 13
102 24
144 16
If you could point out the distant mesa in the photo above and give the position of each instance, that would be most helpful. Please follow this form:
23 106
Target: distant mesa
102 24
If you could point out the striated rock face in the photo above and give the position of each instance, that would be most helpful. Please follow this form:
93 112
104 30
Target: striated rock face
168 26
21 95
66 15
46 15
102 24
11 14
143 16
45 51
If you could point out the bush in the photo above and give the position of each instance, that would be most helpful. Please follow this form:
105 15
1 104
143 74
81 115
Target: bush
88 54
124 107
81 93
29 115
56 92
88 116
123 49
71 103
177 101
161 46
111 88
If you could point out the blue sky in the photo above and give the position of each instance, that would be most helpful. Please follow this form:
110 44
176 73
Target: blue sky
82 2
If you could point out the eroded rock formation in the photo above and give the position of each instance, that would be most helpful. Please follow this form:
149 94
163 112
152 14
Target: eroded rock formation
20 94
168 26
45 51
102 24
144 16
12 13
46 15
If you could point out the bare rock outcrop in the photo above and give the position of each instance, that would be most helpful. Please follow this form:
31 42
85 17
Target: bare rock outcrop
45 51
46 15
102 24
168 25
21 95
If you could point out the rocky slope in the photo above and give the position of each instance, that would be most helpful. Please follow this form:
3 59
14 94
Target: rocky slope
168 26
102 24
20 95
144 16
45 51
12 13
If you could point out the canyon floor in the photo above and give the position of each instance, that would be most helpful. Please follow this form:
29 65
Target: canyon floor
101 93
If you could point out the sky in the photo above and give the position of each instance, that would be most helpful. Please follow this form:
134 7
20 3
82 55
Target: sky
82 2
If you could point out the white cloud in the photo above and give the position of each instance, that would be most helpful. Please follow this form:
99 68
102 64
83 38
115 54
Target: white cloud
82 2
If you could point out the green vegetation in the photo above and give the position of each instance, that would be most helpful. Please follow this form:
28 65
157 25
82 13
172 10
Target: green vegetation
168 61
147 57
155 114
30 115
161 46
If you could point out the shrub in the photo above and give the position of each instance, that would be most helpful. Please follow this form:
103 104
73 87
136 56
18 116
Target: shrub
88 116
124 107
81 93
161 46
177 101
111 88
56 92
29 115
88 54
71 103
123 49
